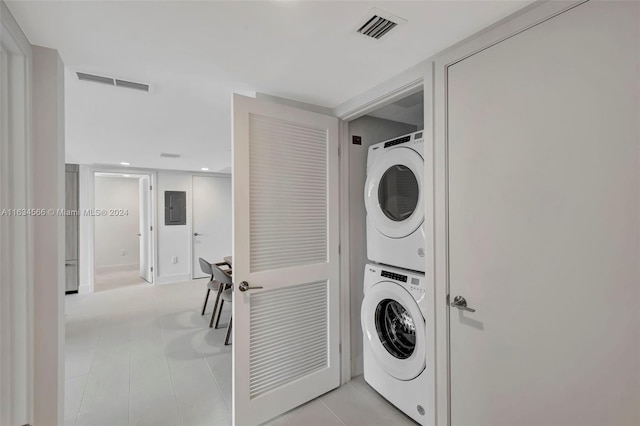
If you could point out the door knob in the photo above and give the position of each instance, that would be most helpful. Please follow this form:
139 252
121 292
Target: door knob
139 235
244 286
195 234
461 303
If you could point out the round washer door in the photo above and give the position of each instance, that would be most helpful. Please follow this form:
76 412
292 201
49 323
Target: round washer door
394 328
393 192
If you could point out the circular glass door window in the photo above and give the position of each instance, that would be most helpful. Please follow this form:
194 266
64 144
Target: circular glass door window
396 329
398 192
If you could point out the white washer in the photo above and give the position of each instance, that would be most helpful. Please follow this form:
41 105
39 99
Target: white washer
397 359
393 197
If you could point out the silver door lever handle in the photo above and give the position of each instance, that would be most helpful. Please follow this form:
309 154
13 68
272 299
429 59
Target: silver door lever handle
461 303
244 286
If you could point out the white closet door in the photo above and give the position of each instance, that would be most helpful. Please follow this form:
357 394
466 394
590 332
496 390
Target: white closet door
211 221
146 257
544 184
285 241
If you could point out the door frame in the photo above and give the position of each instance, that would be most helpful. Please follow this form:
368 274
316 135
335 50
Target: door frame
504 29
16 241
406 83
87 223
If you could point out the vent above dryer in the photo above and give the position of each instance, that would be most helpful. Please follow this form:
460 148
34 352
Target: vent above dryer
378 23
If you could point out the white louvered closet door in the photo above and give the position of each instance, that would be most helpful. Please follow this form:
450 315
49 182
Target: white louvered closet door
285 241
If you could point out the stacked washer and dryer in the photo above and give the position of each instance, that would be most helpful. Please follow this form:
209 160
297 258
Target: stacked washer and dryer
394 311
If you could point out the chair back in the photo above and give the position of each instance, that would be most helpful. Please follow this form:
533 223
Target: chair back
220 276
205 266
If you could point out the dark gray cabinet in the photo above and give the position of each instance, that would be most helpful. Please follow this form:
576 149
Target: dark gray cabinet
175 208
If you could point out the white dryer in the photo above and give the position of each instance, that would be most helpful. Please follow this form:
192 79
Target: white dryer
397 347
394 200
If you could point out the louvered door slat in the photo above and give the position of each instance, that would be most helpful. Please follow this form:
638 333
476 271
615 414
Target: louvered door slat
287 340
288 212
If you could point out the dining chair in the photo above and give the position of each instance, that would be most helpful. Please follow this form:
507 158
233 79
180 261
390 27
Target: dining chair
225 294
213 284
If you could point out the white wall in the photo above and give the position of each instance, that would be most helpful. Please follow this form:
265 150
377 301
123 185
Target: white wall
372 130
173 240
49 236
116 237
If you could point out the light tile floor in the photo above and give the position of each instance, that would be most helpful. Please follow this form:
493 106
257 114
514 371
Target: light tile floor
112 278
143 355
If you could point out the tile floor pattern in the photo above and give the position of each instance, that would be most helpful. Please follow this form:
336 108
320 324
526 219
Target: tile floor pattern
143 355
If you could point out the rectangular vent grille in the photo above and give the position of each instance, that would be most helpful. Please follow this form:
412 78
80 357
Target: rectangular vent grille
289 335
112 81
376 27
167 155
288 193
95 78
132 85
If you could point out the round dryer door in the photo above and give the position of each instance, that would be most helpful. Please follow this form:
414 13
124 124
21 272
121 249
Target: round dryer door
393 192
394 328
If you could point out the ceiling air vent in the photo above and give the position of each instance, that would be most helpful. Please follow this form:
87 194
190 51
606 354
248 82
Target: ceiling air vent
112 81
378 23
95 78
132 85
167 155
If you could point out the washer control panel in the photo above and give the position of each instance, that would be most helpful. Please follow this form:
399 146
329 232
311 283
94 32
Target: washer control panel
416 288
413 282
394 276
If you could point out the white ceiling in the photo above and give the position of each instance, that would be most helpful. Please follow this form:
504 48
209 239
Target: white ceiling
195 54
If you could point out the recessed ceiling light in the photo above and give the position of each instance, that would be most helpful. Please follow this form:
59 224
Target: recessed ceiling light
124 164
126 175
205 169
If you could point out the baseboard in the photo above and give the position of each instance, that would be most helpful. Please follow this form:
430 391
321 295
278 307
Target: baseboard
177 278
112 268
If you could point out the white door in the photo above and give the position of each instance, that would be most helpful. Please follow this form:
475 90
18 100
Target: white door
211 220
285 236
543 143
145 232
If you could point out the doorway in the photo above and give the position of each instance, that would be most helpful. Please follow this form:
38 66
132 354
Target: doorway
391 119
122 230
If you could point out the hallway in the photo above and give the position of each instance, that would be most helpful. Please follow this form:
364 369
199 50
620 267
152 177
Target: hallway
143 355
